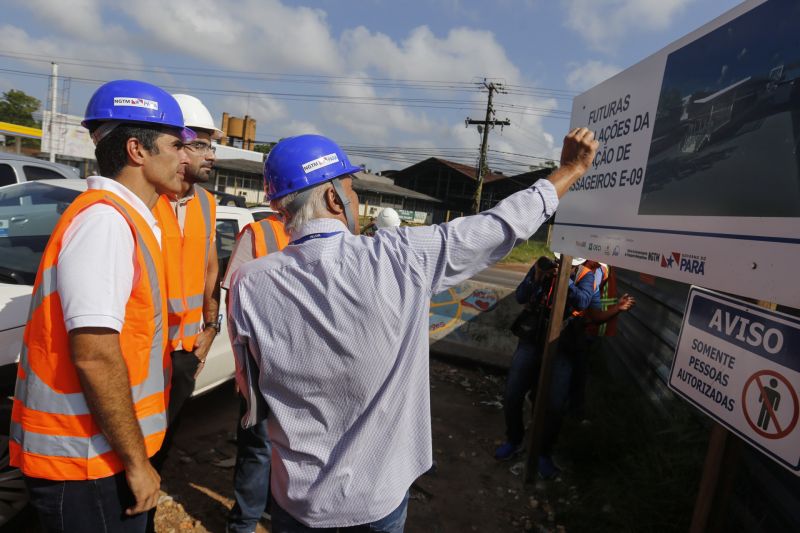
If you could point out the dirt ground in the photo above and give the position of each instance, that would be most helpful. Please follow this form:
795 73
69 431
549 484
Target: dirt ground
469 491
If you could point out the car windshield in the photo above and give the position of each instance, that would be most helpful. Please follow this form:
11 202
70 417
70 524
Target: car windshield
28 213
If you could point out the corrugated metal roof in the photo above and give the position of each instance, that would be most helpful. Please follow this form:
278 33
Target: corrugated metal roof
370 185
467 170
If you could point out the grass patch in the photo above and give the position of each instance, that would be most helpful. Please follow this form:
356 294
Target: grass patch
527 252
633 470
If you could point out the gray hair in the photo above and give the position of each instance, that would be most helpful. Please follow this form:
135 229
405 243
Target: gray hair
300 207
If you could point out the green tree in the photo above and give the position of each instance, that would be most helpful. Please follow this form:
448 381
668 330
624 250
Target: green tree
18 108
263 148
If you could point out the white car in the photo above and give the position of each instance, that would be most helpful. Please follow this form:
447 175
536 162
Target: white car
261 212
17 168
28 214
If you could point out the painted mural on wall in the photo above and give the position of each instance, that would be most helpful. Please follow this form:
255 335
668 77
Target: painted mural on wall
474 316
462 303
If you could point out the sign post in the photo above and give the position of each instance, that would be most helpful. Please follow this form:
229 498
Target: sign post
535 433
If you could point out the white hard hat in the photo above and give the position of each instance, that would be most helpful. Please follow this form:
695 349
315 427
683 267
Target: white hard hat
196 115
387 218
575 260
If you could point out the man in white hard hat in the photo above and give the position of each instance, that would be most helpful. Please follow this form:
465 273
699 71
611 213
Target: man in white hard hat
388 218
188 226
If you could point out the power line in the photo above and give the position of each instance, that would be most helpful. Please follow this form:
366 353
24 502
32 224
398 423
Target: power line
284 77
427 103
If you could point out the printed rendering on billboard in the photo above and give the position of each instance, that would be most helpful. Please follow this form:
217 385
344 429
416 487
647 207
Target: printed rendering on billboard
697 177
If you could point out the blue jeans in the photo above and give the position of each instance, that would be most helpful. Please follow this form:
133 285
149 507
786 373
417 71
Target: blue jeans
394 522
96 505
524 376
251 476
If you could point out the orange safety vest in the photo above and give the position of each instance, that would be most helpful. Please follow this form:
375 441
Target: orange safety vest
583 271
186 260
269 235
53 433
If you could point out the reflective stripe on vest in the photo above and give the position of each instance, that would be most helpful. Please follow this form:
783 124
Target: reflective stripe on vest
269 235
53 433
186 273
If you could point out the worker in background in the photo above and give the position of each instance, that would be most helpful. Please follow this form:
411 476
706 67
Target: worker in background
188 224
387 219
91 397
580 367
370 229
253 449
344 364
583 303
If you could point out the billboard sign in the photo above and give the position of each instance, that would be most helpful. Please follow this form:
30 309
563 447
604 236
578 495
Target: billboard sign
740 364
697 177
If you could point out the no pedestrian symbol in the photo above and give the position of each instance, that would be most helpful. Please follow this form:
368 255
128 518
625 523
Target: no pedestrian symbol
770 404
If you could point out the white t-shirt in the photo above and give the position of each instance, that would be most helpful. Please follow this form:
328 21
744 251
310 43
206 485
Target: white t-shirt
96 266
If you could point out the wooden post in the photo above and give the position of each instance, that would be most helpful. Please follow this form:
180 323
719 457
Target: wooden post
447 217
719 474
535 428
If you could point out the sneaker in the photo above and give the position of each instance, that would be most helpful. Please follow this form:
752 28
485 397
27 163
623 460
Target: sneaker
507 450
547 468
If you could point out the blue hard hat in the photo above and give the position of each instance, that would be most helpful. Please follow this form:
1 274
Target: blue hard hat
133 101
300 162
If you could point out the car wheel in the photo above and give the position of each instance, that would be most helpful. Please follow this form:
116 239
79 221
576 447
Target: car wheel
13 495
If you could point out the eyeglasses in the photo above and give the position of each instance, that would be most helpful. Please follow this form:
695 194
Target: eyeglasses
200 147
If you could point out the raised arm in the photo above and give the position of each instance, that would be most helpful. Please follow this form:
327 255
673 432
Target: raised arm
576 158
455 251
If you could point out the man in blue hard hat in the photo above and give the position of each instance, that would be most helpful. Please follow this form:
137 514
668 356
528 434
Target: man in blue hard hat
342 369
91 398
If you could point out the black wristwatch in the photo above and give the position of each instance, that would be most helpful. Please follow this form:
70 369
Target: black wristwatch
217 324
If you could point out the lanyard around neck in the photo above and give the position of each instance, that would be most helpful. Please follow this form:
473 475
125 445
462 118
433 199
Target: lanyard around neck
312 236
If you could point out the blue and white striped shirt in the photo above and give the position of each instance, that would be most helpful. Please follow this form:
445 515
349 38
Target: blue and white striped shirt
338 326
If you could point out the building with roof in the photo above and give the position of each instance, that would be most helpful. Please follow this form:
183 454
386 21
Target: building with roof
454 183
504 186
243 177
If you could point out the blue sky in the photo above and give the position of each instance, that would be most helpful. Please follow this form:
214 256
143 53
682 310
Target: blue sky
391 81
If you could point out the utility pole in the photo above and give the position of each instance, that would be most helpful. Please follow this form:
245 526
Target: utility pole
487 124
53 104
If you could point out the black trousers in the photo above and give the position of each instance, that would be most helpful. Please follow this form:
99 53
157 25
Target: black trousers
96 505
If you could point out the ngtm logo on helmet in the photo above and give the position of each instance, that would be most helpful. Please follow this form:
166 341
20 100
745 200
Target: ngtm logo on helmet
320 162
135 102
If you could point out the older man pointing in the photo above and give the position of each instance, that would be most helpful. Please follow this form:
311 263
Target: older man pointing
331 333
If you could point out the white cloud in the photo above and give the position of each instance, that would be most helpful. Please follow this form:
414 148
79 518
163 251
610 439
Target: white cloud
604 23
586 75
463 54
242 34
371 122
299 127
262 108
252 36
17 40
76 18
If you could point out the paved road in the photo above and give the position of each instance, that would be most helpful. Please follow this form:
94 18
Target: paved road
503 275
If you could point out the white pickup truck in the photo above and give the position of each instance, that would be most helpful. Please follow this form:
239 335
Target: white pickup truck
28 214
